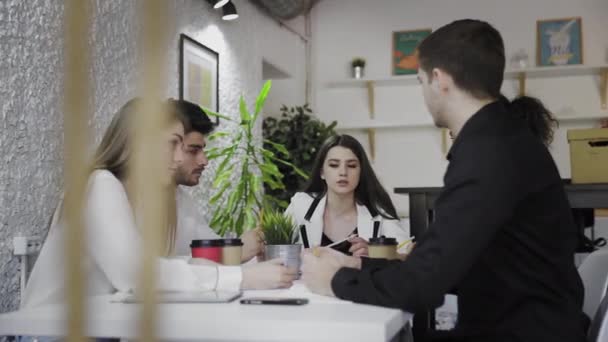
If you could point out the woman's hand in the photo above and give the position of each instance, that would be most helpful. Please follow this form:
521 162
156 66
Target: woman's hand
403 255
267 275
359 246
253 244
320 264
202 261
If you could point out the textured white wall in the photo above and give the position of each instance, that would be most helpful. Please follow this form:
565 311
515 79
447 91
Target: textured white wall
343 29
30 94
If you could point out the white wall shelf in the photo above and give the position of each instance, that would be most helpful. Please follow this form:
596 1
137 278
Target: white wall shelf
563 71
520 75
384 125
362 82
373 124
536 72
583 118
556 71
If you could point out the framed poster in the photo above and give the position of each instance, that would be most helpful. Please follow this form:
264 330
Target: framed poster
559 41
198 74
404 58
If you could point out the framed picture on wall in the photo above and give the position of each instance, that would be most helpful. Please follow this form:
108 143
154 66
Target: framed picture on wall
404 58
198 74
559 41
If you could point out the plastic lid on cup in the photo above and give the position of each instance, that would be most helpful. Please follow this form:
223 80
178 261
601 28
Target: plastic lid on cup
383 241
232 242
207 243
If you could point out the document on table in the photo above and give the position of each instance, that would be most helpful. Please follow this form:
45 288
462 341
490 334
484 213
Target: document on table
298 290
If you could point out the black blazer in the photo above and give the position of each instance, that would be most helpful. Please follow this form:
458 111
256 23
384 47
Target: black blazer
503 236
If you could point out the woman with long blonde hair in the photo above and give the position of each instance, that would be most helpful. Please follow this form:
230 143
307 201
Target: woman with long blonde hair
114 242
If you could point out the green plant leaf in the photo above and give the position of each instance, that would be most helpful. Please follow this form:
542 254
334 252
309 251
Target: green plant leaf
295 168
224 175
279 147
278 228
219 194
259 102
245 116
270 169
216 135
214 114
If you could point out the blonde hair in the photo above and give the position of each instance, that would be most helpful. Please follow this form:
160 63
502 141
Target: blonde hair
114 154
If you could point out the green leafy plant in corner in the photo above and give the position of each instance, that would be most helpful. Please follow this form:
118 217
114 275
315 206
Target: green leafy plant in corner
302 135
278 228
244 166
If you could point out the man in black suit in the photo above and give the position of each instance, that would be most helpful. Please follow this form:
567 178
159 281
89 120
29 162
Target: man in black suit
503 234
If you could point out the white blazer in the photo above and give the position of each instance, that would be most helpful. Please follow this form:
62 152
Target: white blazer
301 201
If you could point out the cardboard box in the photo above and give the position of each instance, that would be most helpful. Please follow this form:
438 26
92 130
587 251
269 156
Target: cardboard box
588 155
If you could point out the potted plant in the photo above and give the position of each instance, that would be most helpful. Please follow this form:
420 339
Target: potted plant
244 167
357 64
301 133
280 236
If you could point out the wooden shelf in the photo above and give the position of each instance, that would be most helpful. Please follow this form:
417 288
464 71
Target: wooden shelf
385 125
362 82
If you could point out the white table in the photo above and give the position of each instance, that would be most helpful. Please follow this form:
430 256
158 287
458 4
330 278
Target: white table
323 319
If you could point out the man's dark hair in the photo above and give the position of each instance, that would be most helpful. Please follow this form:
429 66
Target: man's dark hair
471 51
197 119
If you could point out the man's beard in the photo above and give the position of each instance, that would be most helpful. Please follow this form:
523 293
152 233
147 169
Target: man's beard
181 178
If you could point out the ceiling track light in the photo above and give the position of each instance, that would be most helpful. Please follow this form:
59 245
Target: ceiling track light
229 11
219 3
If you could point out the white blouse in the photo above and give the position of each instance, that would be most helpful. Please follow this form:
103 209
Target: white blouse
113 250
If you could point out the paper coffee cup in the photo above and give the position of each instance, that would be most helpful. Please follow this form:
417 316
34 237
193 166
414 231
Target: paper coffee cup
232 252
382 248
207 249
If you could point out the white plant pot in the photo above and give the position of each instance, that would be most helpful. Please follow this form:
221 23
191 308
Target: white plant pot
358 72
290 254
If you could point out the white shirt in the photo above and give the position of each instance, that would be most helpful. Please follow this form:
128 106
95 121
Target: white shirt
301 202
190 223
113 250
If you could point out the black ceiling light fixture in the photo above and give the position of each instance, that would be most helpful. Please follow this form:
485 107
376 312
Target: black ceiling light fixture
229 11
219 3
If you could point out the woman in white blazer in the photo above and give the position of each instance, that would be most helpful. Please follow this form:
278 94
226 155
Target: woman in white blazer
114 241
344 197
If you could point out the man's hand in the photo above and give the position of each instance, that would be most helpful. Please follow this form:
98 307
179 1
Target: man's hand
253 244
320 265
267 275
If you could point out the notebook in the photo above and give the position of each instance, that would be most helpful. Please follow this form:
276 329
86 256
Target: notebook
185 297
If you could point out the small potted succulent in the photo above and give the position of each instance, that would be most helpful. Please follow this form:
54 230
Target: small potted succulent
281 236
358 65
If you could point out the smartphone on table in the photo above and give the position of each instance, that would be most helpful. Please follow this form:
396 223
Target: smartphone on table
274 301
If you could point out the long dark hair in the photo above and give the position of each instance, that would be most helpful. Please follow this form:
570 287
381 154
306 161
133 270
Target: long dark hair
473 53
369 191
540 120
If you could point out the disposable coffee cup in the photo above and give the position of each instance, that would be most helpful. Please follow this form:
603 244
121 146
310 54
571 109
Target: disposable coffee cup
382 248
207 249
232 252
